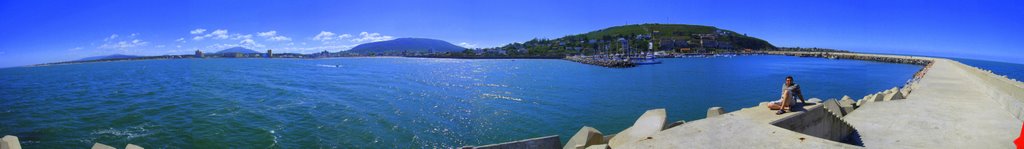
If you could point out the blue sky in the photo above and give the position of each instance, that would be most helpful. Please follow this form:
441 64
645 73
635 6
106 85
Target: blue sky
41 31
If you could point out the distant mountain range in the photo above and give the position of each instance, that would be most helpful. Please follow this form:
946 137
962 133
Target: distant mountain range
237 50
114 56
408 45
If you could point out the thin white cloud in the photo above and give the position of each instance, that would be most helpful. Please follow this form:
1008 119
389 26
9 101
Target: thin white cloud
467 45
324 36
112 37
271 33
197 31
75 49
272 36
181 40
343 36
160 46
371 37
240 36
123 44
218 34
279 38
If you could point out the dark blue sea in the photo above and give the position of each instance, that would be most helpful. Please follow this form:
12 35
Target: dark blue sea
1010 70
391 102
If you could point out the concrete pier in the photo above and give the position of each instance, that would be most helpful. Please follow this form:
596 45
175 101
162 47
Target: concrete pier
951 106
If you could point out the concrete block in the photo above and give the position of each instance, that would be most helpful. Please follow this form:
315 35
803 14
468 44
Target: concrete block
132 146
599 146
763 104
548 142
715 111
860 103
848 110
10 142
587 136
648 124
814 100
833 106
674 124
905 91
102 146
869 98
878 97
817 122
608 138
893 96
847 102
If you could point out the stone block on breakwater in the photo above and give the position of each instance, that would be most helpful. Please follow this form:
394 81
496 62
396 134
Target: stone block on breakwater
648 124
674 124
715 111
847 104
846 100
832 106
599 146
132 146
895 95
546 142
905 91
763 104
10 142
102 146
814 100
587 136
877 97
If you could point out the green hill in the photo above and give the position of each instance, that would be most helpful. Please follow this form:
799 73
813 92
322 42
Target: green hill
663 37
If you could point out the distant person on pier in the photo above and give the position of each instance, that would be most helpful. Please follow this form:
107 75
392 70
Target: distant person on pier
790 92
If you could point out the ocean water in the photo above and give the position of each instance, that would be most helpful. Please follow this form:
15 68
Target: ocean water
391 102
1010 70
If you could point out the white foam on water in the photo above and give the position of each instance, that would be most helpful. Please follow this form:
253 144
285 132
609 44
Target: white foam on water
496 96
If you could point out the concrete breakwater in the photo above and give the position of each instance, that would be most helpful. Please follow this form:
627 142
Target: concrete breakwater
12 142
946 105
856 56
604 62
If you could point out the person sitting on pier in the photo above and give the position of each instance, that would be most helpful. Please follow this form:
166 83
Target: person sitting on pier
790 92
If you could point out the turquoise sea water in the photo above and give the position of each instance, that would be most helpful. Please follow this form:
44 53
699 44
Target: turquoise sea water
390 102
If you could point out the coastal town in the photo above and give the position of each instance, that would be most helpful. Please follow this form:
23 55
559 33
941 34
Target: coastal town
618 47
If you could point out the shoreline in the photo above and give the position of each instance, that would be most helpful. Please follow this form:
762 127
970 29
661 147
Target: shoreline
832 122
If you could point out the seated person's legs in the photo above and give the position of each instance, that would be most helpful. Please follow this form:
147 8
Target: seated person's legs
776 105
